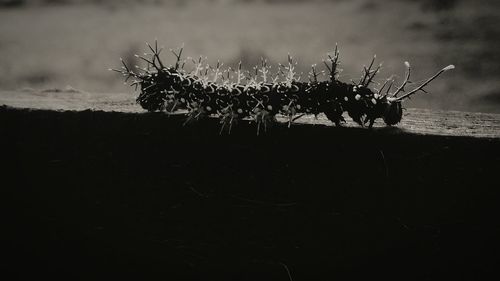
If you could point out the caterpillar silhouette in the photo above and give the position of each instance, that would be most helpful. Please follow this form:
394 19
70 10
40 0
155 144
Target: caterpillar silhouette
207 91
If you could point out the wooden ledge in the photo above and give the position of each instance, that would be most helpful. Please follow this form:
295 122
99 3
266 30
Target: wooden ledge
415 121
95 188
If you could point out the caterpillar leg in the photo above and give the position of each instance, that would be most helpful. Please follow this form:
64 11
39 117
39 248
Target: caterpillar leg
372 121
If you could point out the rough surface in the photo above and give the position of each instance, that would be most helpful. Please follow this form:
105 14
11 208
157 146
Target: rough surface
418 121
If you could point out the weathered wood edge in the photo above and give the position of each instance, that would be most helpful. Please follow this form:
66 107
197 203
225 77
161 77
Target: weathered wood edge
416 121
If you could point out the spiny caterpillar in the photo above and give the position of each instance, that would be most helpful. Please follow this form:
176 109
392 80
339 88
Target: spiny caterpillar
207 91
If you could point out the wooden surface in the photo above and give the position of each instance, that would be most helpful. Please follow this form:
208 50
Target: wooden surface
98 195
418 121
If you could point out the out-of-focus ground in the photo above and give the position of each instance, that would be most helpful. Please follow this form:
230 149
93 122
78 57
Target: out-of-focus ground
53 44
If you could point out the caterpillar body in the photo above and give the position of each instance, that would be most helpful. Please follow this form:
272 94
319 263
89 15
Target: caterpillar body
208 91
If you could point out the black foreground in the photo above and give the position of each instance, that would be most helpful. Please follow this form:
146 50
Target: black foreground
106 196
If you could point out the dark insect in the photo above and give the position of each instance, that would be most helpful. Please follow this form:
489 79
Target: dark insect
233 95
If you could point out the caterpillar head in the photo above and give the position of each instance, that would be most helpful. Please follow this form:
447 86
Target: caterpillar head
393 112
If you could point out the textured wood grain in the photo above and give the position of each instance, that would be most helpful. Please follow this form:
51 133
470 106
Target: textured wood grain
419 121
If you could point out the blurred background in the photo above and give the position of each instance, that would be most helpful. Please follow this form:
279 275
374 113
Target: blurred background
63 44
